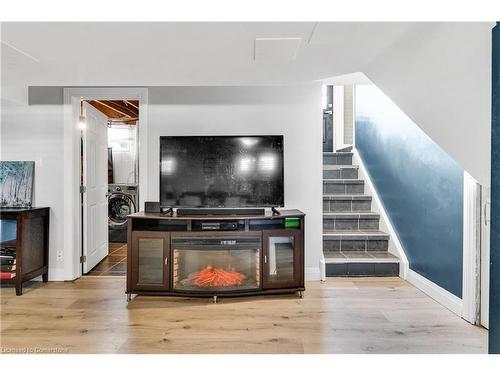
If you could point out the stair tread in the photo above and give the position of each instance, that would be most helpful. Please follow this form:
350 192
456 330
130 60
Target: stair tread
334 167
357 197
337 153
344 180
349 214
345 149
360 257
361 233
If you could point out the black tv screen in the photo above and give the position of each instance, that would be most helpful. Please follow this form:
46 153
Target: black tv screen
221 171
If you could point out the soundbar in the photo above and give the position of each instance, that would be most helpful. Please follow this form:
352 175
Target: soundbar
221 211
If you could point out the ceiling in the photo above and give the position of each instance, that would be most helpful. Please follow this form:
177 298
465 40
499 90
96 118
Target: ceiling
439 74
118 111
155 54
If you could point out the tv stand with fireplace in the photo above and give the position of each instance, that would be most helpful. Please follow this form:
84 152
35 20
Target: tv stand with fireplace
215 255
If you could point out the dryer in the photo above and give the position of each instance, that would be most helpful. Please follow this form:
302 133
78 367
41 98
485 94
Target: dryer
122 201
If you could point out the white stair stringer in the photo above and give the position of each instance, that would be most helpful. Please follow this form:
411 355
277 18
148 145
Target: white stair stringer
385 224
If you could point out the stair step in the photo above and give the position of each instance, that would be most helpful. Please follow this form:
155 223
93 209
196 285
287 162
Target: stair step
337 158
339 166
361 257
336 186
361 264
337 153
347 203
340 172
345 149
348 221
341 197
355 241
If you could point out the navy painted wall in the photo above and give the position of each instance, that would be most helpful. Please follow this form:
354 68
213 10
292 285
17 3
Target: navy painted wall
420 186
494 328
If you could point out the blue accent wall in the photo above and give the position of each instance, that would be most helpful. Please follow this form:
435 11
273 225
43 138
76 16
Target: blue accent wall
420 186
494 321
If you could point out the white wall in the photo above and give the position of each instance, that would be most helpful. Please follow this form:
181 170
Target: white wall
294 111
123 141
35 132
439 74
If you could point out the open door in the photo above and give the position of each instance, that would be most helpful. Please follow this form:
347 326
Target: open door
95 182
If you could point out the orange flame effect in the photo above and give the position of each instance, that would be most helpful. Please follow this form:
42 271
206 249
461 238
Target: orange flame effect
209 276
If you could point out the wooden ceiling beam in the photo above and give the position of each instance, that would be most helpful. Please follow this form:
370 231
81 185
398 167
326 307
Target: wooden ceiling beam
132 103
108 111
117 111
121 106
123 119
112 106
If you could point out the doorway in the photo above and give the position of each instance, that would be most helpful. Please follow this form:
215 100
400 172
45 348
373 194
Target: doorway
327 97
101 168
338 117
109 182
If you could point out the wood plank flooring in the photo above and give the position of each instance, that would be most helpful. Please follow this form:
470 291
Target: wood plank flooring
344 315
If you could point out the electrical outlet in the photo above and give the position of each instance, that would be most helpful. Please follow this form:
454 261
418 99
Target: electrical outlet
60 256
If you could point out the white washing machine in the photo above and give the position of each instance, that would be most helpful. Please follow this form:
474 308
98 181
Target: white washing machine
122 201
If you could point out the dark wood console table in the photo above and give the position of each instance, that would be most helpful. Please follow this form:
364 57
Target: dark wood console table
31 245
215 256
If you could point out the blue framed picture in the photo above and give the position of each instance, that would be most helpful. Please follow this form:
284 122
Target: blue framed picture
16 183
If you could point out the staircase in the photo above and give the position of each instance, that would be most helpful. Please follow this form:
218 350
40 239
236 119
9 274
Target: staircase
353 244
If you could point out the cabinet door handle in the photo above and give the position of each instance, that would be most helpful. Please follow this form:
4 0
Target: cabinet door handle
166 261
265 258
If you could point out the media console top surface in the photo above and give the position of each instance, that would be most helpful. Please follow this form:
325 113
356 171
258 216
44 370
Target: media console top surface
267 215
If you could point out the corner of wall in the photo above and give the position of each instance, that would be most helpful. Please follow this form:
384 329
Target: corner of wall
312 274
441 295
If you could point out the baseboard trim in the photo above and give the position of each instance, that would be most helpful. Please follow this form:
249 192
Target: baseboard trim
311 274
58 275
445 298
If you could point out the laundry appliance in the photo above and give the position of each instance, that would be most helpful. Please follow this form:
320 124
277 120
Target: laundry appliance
122 201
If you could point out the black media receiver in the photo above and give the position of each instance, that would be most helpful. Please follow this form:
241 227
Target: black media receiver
224 225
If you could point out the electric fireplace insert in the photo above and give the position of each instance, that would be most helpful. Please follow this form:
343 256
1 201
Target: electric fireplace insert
216 263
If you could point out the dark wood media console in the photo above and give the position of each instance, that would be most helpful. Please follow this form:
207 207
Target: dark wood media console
30 249
215 256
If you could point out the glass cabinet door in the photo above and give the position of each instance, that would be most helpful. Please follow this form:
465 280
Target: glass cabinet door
281 259
150 260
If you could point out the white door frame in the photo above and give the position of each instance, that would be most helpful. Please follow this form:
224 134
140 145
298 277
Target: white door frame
72 207
485 255
338 118
471 286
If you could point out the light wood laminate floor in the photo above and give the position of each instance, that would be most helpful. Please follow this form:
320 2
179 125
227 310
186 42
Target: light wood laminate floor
353 315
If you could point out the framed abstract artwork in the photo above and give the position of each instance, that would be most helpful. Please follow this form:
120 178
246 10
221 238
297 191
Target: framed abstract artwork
16 183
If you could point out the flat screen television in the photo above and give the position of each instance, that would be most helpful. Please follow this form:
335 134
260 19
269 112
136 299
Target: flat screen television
221 171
